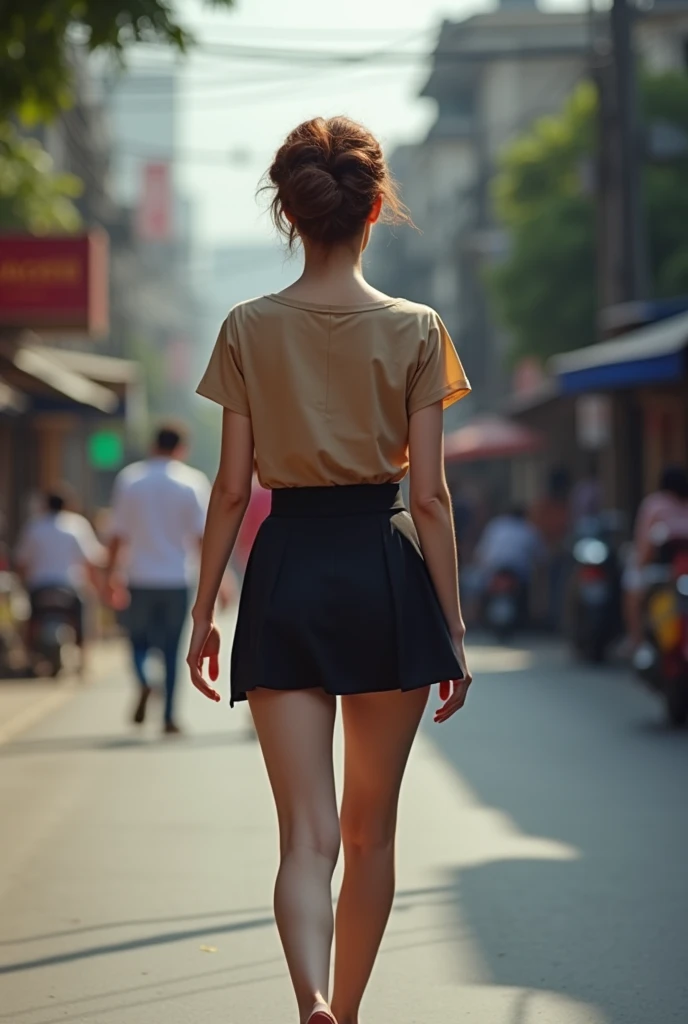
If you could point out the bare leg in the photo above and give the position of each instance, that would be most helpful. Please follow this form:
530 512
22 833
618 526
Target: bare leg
295 731
379 729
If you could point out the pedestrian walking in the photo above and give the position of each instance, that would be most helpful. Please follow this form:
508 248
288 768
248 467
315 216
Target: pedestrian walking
257 511
158 514
333 387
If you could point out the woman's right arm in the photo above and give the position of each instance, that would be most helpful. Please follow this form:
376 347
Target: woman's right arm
431 510
229 500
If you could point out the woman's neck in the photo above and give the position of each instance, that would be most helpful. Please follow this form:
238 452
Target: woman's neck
333 276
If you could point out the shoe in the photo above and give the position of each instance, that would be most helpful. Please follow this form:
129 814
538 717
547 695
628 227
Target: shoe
140 713
172 729
321 1015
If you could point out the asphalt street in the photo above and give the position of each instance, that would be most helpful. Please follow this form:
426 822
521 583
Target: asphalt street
543 856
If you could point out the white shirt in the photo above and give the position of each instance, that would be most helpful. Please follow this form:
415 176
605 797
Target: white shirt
158 511
509 542
54 549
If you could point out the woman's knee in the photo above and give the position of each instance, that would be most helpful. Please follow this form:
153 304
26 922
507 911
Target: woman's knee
367 829
321 836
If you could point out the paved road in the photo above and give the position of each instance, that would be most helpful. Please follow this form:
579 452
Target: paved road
542 867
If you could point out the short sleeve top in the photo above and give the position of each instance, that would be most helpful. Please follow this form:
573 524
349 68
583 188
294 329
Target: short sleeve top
330 389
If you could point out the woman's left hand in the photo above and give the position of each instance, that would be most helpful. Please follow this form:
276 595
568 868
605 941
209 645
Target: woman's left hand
205 643
453 692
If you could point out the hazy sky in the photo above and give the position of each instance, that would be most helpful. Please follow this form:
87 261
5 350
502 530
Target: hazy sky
244 106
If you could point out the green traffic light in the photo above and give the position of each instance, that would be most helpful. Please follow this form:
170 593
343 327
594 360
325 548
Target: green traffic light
105 449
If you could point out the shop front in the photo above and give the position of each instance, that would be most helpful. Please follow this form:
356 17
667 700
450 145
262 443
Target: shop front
53 399
639 384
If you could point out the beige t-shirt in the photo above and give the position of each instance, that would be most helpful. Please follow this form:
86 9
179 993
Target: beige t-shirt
330 389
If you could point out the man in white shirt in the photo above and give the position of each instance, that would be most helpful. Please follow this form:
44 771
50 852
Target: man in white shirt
59 549
510 542
158 517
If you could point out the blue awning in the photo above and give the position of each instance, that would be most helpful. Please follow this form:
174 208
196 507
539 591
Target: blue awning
655 354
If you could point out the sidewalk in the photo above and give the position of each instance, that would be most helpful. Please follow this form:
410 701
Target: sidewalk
24 702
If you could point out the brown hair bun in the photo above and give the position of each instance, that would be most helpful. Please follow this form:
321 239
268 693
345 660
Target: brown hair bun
326 177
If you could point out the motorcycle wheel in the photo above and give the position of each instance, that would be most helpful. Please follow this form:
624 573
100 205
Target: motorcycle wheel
595 651
676 698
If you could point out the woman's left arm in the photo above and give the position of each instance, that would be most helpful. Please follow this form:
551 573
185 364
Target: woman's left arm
229 500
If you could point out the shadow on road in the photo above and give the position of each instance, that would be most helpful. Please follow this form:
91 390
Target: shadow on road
143 922
572 755
176 988
405 899
127 945
74 744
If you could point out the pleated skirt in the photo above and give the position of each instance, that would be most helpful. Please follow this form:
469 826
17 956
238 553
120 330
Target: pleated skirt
337 595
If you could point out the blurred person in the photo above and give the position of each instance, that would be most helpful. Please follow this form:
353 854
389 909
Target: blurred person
256 513
58 548
156 526
586 496
4 546
667 506
510 542
551 515
333 386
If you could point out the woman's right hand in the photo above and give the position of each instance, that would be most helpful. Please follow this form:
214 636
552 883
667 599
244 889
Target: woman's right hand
205 643
453 692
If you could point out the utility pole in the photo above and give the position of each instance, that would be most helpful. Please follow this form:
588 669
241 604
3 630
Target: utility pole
634 269
622 247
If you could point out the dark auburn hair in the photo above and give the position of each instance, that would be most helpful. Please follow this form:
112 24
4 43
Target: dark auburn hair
326 176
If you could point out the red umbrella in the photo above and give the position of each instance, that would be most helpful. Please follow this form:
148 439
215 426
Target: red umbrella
491 437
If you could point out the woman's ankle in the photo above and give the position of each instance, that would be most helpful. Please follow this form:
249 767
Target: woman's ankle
316 1002
344 1017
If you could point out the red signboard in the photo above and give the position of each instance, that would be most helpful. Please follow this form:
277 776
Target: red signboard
154 215
56 283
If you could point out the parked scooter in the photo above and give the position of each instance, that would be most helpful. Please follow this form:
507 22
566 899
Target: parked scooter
12 612
504 603
53 628
662 659
594 604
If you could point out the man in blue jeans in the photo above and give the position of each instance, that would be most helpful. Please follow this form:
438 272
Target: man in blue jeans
158 516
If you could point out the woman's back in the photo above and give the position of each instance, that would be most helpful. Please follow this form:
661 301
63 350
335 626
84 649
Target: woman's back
330 389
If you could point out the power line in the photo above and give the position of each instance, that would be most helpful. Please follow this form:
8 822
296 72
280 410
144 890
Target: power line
326 31
264 88
512 126
291 55
282 55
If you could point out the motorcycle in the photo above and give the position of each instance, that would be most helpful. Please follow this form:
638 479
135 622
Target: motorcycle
53 628
594 605
12 612
503 603
662 659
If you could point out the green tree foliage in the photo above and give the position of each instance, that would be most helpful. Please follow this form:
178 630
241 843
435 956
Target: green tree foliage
36 37
37 40
32 197
545 288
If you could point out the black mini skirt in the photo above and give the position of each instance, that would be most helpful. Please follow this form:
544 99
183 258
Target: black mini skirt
337 595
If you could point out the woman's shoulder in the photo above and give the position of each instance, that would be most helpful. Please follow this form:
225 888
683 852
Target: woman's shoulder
417 319
251 309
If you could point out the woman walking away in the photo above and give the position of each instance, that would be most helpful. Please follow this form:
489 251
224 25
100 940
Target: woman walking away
335 387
